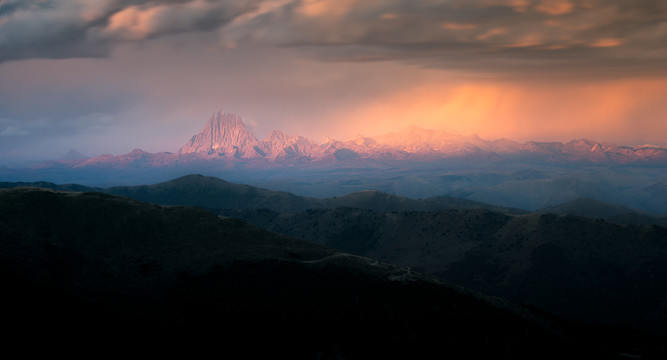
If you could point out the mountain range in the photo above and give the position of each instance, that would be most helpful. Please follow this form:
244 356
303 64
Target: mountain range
225 136
415 163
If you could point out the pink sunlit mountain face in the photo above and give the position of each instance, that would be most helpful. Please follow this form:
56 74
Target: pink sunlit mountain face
414 162
226 136
225 140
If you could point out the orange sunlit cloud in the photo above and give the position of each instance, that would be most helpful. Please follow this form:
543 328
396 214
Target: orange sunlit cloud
603 111
522 69
491 33
132 22
555 7
607 43
517 5
526 41
458 26
140 22
323 8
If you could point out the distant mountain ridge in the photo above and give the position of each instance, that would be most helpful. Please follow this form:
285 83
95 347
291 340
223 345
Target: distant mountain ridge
415 163
225 137
217 194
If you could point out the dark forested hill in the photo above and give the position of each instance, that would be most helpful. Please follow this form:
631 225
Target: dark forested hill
613 213
580 268
96 273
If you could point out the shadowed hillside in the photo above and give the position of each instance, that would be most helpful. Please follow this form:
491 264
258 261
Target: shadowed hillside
123 273
582 269
213 193
613 213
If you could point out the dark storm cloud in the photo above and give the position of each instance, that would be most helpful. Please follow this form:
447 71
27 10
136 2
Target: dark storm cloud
542 36
7 7
484 35
89 28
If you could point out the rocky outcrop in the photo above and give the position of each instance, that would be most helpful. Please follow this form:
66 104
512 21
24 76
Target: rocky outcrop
224 135
281 145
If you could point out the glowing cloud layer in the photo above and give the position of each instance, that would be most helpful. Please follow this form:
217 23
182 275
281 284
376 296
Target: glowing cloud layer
495 36
107 75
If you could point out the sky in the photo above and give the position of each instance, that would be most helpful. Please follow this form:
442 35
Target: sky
109 76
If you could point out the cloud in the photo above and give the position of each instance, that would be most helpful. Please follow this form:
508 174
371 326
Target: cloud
555 7
533 37
46 138
626 112
607 42
90 28
458 26
30 29
143 21
50 126
13 131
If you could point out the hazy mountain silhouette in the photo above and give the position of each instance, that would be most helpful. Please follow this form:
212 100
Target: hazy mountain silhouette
217 194
114 274
73 155
613 213
214 193
49 185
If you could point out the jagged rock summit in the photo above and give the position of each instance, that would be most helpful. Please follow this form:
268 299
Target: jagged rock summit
73 155
225 135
